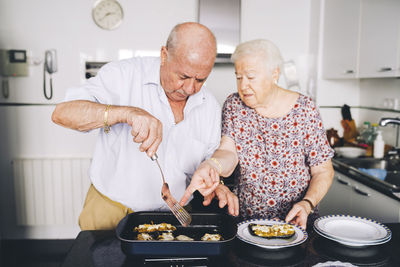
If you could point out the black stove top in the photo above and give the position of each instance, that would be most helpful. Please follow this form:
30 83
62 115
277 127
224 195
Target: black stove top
102 248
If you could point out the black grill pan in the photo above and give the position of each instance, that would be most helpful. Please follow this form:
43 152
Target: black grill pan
202 223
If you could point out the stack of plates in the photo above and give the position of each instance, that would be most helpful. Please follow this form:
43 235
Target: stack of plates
352 230
274 243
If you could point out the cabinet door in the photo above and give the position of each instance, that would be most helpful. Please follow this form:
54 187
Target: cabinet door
340 38
379 38
337 200
369 203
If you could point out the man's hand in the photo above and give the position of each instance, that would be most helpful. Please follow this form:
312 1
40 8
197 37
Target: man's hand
299 213
205 180
225 196
146 129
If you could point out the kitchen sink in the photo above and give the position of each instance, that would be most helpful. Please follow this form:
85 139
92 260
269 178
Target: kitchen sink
391 167
372 163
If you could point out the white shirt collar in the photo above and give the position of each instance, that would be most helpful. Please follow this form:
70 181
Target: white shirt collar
152 73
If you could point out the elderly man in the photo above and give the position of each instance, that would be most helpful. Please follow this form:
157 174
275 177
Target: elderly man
147 105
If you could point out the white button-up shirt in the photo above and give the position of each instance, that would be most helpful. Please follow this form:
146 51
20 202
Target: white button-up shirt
119 170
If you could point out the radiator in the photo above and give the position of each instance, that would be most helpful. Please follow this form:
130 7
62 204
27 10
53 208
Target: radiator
50 191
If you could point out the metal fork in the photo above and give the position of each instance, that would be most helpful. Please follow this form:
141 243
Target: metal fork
180 213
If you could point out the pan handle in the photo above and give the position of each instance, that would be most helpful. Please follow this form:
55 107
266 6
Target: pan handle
121 226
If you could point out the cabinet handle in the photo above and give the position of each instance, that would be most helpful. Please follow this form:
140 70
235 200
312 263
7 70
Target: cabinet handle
353 171
342 181
361 192
384 69
348 71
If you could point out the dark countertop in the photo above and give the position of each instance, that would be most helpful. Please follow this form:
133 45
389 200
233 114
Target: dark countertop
102 248
390 189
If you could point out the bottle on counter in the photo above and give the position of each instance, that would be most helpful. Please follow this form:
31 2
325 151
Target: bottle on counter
366 125
367 137
373 133
379 146
370 138
364 132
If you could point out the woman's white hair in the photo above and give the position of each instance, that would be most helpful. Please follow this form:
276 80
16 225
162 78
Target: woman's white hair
262 48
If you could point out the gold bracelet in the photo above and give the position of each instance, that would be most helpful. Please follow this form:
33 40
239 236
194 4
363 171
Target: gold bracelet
218 164
106 127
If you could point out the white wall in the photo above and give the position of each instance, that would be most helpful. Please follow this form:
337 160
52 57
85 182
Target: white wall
287 24
68 27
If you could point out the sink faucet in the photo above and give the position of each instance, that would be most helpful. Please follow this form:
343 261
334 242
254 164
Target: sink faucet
385 121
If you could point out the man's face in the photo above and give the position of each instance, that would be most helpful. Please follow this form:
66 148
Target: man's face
182 75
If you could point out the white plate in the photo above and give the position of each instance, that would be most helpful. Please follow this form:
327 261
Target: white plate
352 229
351 244
334 263
350 152
243 234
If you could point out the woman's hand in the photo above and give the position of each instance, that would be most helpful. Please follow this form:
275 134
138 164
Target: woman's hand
225 196
299 213
205 180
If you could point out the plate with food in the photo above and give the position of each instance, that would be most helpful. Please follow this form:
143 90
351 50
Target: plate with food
271 233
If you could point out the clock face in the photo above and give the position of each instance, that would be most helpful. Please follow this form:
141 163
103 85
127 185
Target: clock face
107 14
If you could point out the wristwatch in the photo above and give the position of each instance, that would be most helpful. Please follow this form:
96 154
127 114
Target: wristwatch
311 204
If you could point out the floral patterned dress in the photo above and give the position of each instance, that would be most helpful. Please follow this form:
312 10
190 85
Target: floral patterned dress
275 155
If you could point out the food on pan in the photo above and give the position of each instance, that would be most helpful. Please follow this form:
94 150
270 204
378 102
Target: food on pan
144 236
211 237
272 231
166 236
149 228
164 232
184 238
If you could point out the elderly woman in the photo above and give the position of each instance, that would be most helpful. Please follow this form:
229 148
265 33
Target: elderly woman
277 138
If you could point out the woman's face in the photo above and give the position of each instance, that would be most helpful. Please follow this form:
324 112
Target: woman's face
254 82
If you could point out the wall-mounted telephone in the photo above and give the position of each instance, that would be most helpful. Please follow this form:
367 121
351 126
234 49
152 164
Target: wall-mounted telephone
49 66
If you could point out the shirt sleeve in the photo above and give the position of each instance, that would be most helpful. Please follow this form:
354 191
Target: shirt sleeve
227 117
317 147
215 135
102 88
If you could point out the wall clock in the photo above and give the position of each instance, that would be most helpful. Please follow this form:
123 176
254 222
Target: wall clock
107 14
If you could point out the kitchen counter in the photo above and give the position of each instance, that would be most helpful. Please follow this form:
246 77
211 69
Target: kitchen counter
102 248
390 189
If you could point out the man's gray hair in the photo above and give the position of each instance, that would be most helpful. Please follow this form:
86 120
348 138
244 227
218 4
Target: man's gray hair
172 37
262 48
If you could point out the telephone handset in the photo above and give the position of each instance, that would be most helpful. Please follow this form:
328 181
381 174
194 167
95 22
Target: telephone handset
51 61
49 66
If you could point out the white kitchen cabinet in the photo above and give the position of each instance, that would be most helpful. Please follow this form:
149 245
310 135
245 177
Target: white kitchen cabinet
340 42
361 39
347 196
379 38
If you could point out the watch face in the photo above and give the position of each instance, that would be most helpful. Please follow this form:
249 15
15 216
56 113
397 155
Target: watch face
107 14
